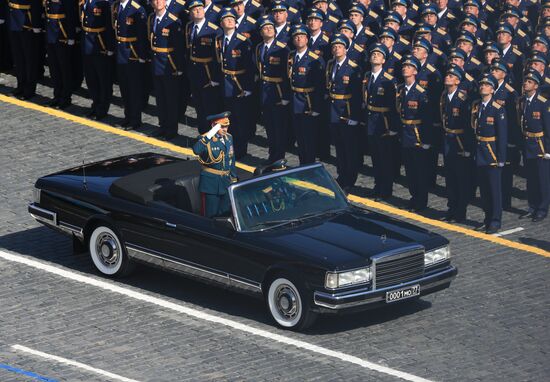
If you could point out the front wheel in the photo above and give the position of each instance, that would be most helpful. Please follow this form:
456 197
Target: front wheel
107 252
289 305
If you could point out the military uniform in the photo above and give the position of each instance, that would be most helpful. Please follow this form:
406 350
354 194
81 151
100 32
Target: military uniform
382 128
513 58
24 20
218 171
98 46
458 146
344 86
61 23
212 13
203 69
535 125
416 136
490 126
320 46
167 63
272 64
130 26
237 67
306 81
253 9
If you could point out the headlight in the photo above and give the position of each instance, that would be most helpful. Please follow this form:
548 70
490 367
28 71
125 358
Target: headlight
36 195
357 276
437 255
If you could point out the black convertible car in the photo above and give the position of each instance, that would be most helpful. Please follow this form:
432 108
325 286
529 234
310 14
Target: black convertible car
291 238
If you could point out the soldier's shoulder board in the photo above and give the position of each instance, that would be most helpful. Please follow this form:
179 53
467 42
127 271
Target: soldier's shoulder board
180 2
292 10
135 4
358 48
496 105
441 31
397 55
484 26
509 87
352 64
255 3
437 51
333 19
404 40
420 88
332 7
241 37
541 98
521 33
411 23
368 32
173 17
430 68
451 16
213 26
489 8
373 14
547 80
216 9
469 77
280 44
312 55
251 20
475 61
517 52
461 94
388 76
325 38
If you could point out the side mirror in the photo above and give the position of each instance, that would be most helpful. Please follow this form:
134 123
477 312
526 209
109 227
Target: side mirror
225 222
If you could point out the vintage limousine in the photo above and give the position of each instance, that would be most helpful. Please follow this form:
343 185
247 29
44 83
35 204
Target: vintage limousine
291 238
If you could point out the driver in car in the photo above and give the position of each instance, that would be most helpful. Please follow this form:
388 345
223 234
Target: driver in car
215 153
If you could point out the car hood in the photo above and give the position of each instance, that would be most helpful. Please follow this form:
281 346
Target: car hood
349 239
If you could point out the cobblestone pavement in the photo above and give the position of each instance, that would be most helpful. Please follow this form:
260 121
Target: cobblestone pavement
492 324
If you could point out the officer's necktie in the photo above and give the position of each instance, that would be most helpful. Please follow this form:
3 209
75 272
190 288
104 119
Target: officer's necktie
335 72
296 59
195 32
120 9
264 53
481 110
226 42
157 22
371 84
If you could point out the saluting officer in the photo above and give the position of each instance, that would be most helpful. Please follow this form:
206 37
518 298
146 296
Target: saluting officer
132 51
98 46
24 25
416 132
272 62
343 81
203 67
215 151
61 23
534 112
235 55
506 96
166 38
380 119
490 126
306 81
458 144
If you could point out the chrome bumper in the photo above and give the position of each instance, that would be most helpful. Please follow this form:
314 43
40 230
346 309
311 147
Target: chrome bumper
354 298
50 219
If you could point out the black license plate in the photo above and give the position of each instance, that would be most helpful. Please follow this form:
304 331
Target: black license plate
402 294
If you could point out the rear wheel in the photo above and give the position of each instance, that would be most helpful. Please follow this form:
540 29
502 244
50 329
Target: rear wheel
289 304
107 252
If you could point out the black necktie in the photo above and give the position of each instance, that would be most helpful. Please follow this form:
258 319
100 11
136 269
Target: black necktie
120 9
195 32
264 53
157 22
296 59
371 83
335 73
225 44
481 110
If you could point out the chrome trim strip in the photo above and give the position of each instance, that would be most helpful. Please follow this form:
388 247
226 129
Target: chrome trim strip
73 229
379 295
140 253
53 215
393 255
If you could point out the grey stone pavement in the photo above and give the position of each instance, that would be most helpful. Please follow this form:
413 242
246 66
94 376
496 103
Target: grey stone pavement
491 325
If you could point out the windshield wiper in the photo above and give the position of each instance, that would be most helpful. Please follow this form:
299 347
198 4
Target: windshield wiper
277 223
326 212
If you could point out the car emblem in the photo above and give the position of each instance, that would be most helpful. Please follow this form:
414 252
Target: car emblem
383 239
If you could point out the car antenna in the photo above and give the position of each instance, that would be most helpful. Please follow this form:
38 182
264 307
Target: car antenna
84 183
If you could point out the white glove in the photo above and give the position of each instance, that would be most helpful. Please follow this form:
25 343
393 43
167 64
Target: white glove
36 30
351 122
70 42
247 93
314 114
284 102
500 164
179 73
426 146
467 154
213 131
546 156
213 84
141 60
2 21
109 53
392 133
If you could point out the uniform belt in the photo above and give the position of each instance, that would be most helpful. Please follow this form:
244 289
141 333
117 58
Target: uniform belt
454 131
126 39
529 134
378 109
93 30
340 96
411 121
234 72
303 90
201 60
19 6
272 79
214 171
162 50
55 16
486 139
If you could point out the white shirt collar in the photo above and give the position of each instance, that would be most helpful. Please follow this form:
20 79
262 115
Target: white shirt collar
505 50
341 62
486 103
409 87
377 73
530 99
240 19
500 85
359 30
125 3
314 38
228 36
300 55
207 7
269 43
440 13
245 2
199 24
451 95
279 29
161 15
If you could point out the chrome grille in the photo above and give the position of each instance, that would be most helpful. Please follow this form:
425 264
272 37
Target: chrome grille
398 268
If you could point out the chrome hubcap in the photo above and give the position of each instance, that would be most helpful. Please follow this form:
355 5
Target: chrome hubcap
107 249
287 302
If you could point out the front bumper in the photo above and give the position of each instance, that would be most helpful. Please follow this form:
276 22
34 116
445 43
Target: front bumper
366 298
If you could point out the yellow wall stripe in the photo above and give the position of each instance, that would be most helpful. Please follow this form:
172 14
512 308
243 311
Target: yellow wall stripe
357 199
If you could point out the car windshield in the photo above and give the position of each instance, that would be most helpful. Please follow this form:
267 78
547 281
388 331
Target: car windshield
285 198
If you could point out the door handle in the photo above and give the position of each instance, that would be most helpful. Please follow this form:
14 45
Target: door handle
171 225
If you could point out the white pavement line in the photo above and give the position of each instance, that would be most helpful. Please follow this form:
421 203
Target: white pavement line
109 286
72 363
509 231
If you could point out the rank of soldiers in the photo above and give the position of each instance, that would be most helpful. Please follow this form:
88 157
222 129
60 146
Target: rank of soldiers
403 81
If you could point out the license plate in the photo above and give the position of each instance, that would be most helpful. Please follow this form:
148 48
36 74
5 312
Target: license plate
402 294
